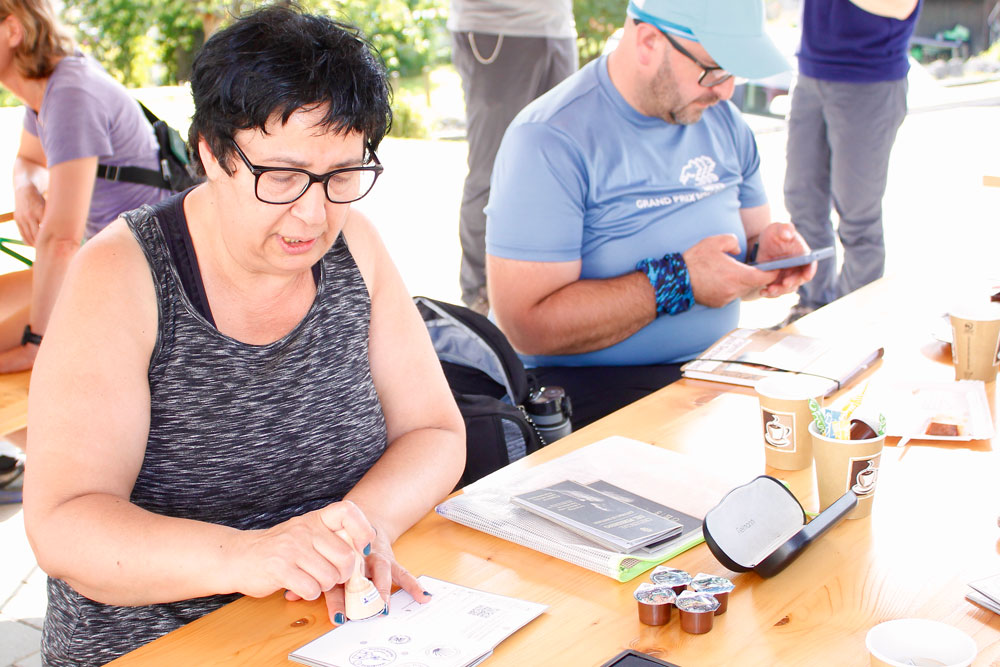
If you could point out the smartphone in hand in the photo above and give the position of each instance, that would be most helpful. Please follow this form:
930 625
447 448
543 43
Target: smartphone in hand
794 260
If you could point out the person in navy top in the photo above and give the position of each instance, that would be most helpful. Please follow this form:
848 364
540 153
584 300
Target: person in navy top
848 103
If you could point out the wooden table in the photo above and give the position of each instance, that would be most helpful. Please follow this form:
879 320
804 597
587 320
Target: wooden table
933 529
13 401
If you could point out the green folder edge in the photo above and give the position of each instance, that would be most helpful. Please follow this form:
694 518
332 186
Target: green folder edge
631 567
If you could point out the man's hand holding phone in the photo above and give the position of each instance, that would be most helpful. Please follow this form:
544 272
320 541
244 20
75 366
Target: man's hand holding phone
794 260
718 276
782 249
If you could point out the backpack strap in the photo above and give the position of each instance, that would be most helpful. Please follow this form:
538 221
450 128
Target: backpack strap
150 116
140 175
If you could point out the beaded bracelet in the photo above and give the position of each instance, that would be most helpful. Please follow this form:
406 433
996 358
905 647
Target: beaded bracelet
671 283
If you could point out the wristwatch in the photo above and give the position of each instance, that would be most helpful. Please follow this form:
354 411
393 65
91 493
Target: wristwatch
30 337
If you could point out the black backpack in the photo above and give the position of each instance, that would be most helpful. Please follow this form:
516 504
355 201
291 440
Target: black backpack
489 383
176 172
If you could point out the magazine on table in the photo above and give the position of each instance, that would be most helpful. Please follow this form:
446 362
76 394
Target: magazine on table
657 480
745 356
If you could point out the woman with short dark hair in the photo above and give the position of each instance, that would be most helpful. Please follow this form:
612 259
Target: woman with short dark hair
254 397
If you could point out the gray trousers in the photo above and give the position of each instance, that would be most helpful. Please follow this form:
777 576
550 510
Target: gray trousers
839 139
523 69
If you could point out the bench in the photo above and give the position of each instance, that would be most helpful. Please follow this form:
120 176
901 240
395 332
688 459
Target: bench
13 386
958 48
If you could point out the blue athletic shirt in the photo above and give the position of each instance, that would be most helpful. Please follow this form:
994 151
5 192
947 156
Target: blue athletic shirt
582 175
842 42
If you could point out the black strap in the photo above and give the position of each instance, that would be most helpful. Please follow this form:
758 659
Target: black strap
30 336
138 175
150 116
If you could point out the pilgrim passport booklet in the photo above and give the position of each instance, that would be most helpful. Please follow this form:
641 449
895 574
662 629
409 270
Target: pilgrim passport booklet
744 356
641 481
459 627
600 512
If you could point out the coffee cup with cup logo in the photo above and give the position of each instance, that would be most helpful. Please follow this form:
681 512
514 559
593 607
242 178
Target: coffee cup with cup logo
975 342
785 416
846 465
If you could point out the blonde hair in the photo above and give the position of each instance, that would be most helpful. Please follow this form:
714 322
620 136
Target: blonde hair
45 39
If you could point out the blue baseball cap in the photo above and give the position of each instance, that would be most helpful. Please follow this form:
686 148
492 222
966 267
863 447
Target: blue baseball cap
732 31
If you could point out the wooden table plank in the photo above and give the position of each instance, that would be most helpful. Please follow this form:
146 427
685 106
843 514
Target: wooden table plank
13 401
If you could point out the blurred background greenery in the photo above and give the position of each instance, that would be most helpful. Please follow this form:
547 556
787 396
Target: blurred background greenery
145 43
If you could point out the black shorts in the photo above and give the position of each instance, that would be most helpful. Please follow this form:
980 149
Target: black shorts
596 391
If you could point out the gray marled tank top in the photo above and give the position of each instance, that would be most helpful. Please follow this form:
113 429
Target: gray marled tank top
241 435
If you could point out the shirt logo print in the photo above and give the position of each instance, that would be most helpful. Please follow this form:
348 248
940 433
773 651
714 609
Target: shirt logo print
699 171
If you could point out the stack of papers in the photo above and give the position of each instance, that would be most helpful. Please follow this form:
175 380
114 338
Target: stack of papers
746 356
986 593
459 627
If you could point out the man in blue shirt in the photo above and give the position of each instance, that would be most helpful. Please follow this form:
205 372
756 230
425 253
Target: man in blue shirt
623 203
848 102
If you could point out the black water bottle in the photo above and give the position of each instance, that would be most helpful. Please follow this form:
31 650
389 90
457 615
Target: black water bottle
550 410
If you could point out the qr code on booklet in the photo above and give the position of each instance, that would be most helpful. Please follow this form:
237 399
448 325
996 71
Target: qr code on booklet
482 611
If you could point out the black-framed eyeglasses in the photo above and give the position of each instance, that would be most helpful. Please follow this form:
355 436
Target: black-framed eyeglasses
711 75
283 185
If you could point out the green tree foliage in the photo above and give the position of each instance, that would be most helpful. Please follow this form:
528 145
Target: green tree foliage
112 32
596 20
410 34
7 99
129 36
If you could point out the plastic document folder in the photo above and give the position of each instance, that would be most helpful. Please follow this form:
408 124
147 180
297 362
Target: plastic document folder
674 481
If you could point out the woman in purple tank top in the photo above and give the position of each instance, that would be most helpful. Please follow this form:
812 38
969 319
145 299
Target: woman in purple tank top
74 114
236 394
